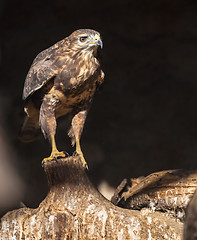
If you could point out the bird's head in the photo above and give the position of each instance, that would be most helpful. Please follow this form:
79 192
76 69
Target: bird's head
85 39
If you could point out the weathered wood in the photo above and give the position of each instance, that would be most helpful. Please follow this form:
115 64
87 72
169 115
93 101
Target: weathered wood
169 190
74 209
190 226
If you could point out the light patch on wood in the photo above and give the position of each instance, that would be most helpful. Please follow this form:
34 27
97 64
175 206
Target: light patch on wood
149 220
50 227
90 208
145 211
4 225
76 223
33 221
15 230
166 236
51 219
152 206
92 229
121 217
111 219
134 229
175 200
149 235
120 234
102 215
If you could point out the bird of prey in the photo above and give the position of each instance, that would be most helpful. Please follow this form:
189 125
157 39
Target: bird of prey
62 80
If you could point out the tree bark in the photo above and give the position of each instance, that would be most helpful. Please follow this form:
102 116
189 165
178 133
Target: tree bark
74 209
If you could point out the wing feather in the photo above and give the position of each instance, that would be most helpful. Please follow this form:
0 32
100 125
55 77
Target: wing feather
42 69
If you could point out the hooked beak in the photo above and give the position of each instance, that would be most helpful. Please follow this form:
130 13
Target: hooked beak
96 41
99 43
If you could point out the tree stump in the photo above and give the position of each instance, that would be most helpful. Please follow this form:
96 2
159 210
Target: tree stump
74 209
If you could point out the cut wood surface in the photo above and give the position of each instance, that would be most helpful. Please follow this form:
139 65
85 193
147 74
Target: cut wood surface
74 209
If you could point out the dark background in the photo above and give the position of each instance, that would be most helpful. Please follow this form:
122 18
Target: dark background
145 117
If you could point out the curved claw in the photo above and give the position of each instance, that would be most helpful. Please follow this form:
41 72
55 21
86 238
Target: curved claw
85 165
55 155
75 154
66 154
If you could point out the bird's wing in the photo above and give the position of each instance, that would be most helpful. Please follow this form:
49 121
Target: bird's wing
41 70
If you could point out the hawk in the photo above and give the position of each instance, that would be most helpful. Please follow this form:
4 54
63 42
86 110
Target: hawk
62 80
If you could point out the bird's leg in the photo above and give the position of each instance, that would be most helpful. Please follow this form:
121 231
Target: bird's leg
78 147
55 154
79 153
75 133
47 122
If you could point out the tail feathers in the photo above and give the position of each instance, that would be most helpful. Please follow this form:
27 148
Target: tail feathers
29 131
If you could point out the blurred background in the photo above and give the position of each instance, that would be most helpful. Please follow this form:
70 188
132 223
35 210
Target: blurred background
145 117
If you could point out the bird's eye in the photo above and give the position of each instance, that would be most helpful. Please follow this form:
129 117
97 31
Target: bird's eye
83 39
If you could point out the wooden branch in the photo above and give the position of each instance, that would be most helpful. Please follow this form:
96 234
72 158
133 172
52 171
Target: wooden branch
169 190
74 209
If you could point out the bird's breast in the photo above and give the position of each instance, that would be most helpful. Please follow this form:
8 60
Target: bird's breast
76 72
77 97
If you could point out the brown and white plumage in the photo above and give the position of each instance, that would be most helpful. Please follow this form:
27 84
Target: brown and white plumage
62 80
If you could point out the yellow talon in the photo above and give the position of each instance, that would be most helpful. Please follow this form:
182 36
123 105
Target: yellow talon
55 154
